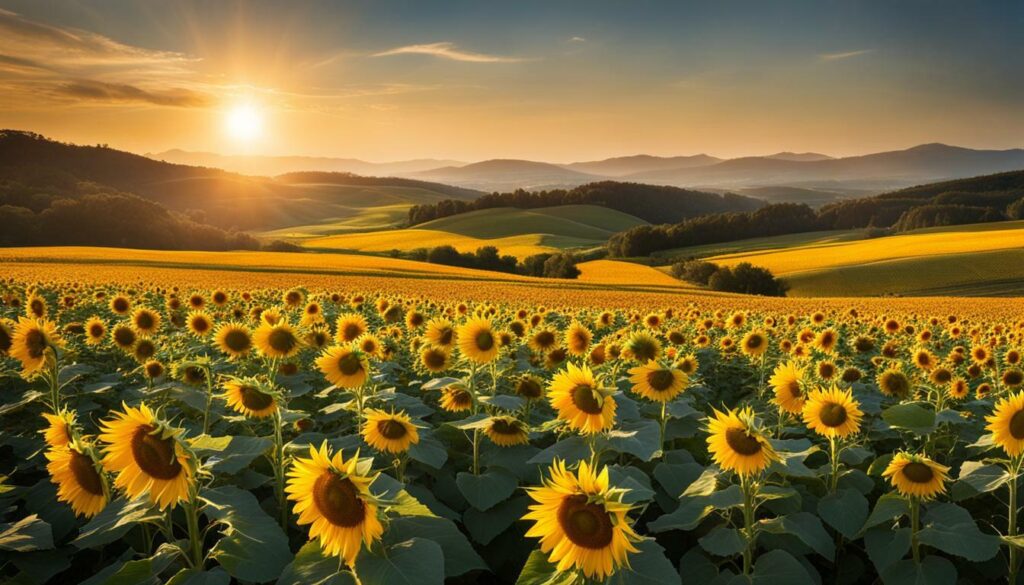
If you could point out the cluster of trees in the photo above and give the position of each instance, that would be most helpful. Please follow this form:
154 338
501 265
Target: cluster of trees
743 278
980 199
335 178
547 265
648 202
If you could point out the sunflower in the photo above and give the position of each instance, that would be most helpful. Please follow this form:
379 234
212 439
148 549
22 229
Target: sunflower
1013 378
643 347
893 382
958 389
656 382
832 413
1007 424
333 496
58 432
79 483
234 339
247 396
688 364
318 336
827 340
543 340
143 349
370 344
506 431
312 314
344 366
787 382
390 432
278 340
754 343
582 522
35 307
434 359
349 327
737 444
32 341
145 321
477 340
120 305
530 387
153 369
6 336
578 399
455 398
148 456
916 476
199 323
95 329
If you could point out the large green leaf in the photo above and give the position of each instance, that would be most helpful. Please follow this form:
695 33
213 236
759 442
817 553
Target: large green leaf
647 567
805 526
723 541
311 567
416 561
888 507
138 572
114 521
215 576
538 571
977 478
641 438
952 530
693 509
932 570
916 417
486 526
28 534
778 567
429 450
459 556
253 547
487 489
885 546
230 454
846 510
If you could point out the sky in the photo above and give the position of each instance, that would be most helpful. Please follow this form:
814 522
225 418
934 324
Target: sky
547 80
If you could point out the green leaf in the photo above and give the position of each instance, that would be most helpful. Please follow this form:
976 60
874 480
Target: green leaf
977 478
791 463
778 567
459 556
413 562
933 570
487 489
570 450
28 534
911 416
845 510
885 546
647 567
888 507
230 454
429 450
114 521
723 541
693 509
253 547
538 571
484 527
215 576
640 438
675 477
952 530
311 567
140 572
696 569
407 505
807 528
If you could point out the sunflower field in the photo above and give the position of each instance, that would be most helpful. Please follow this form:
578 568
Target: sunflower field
154 433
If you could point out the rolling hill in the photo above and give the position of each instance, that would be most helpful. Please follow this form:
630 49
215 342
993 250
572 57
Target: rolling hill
508 175
269 166
629 165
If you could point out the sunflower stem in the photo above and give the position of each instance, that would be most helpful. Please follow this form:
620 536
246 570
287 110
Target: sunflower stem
834 457
662 420
279 469
209 401
1012 518
195 542
746 485
53 379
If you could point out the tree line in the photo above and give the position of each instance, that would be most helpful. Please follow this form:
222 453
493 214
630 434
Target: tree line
544 265
744 278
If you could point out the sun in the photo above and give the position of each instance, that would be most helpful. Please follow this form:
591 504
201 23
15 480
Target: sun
244 122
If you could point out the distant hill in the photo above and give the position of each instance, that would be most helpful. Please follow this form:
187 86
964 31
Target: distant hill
641 163
506 175
267 166
799 156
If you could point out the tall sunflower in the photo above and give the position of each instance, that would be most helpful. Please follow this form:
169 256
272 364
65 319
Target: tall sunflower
478 341
146 321
390 432
58 432
737 444
249 397
199 323
148 456
656 382
344 365
577 339
580 401
349 327
643 347
33 340
440 333
332 494
79 483
234 339
277 341
582 521
832 413
1006 423
787 382
95 330
754 343
916 475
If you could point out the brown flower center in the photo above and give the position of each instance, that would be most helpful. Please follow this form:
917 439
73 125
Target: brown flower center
237 340
504 427
96 330
661 380
528 388
281 340
253 399
120 305
742 443
144 320
484 340
85 473
1017 425
433 359
584 399
832 414
586 524
338 500
35 342
544 339
391 429
350 364
918 472
754 342
200 325
351 331
154 455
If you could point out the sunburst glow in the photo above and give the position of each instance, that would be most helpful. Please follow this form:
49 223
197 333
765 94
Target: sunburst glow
244 122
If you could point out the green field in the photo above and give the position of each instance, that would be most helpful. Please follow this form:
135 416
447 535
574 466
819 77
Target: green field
770 243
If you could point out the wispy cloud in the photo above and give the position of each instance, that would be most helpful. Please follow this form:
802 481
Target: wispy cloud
577 40
845 55
448 50
123 92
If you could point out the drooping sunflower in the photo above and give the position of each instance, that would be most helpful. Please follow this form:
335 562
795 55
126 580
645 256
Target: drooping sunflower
529 386
587 407
477 340
349 327
577 339
506 431
277 341
737 444
58 428
832 413
1006 423
332 494
916 475
146 321
32 341
582 521
893 382
643 347
95 330
390 432
455 398
656 382
79 483
249 397
234 339
434 359
787 382
148 456
344 366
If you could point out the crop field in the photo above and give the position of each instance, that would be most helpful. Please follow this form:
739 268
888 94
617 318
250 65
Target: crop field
196 417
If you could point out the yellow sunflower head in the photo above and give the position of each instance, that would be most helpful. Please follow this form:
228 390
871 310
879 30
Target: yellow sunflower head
349 327
277 341
832 413
332 495
506 431
643 347
95 330
120 305
199 323
754 344
478 341
581 401
582 522
530 387
79 482
35 341
787 383
434 359
370 344
543 340
916 476
148 456
455 398
893 382
59 428
1006 423
248 396
234 339
656 382
392 432
737 444
146 321
344 366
